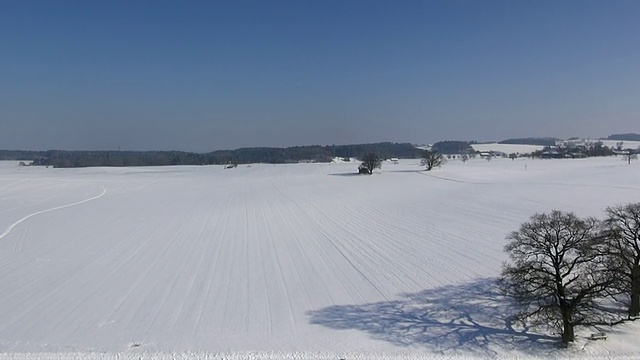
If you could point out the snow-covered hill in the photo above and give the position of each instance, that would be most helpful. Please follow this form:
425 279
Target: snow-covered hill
507 148
277 261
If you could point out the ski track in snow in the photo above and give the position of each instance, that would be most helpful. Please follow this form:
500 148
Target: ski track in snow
12 226
275 261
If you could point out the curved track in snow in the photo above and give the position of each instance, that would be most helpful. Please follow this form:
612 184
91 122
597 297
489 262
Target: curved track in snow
12 226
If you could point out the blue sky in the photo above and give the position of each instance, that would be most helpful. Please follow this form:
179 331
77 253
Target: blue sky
207 75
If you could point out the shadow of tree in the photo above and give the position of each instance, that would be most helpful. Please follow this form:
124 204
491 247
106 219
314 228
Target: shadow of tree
355 173
471 319
406 171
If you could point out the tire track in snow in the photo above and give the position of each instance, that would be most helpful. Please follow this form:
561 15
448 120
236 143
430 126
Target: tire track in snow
247 305
264 268
380 252
211 274
328 261
152 312
375 252
317 245
599 186
20 206
13 226
279 261
229 318
70 276
357 247
184 309
342 251
138 283
307 260
12 183
172 282
19 245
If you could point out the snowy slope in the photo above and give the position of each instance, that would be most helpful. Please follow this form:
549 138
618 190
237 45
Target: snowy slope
507 148
272 261
625 144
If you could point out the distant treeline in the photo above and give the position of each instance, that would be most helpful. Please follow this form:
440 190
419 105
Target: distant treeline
624 137
464 147
453 147
66 159
531 141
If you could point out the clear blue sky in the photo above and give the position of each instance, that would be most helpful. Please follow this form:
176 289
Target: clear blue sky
206 75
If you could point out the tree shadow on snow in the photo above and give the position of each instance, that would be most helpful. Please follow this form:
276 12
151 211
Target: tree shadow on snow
386 171
413 171
472 319
347 174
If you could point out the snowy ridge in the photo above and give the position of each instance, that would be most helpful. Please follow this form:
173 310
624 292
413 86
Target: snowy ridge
507 148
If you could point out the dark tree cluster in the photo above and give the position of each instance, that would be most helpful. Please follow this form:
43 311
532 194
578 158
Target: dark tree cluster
530 141
563 267
385 150
65 159
597 149
453 147
21 155
574 151
624 137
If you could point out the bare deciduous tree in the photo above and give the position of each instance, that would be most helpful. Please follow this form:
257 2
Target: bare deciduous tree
622 249
555 272
370 162
431 159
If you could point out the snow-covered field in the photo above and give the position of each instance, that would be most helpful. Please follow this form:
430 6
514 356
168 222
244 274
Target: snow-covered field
507 148
625 144
282 261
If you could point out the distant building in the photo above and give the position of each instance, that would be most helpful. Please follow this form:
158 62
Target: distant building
491 153
551 154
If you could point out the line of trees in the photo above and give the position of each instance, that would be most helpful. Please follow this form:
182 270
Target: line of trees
64 159
453 147
531 141
563 269
624 137
429 159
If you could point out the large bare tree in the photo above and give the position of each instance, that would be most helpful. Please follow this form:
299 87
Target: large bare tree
431 159
555 272
622 248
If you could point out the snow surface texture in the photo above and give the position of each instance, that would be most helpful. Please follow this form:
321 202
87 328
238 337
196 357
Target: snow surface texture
527 149
283 261
625 144
507 148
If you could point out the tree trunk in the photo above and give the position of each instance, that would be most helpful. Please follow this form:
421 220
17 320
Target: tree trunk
567 327
634 307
